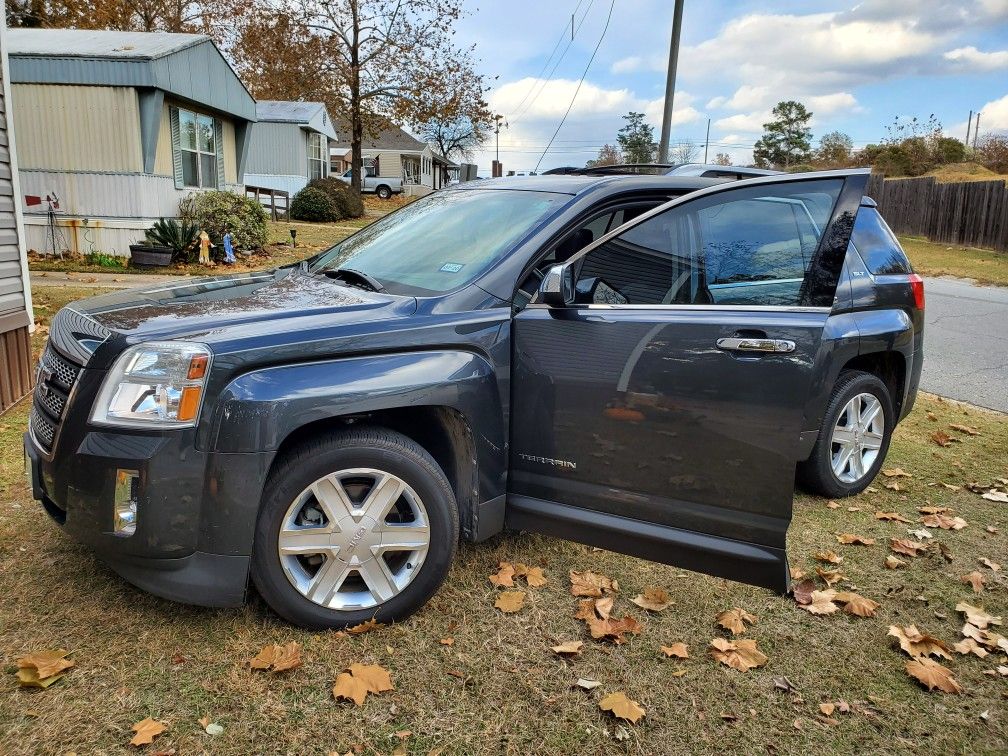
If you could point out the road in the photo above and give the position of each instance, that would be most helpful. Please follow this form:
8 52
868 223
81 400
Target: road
966 342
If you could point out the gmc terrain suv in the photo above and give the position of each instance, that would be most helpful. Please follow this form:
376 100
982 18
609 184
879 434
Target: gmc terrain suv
640 363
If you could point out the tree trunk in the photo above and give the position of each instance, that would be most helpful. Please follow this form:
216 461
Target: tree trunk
356 119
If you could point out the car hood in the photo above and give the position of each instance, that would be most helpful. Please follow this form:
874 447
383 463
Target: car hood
229 308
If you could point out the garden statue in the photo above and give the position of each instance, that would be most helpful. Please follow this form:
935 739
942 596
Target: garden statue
204 248
229 257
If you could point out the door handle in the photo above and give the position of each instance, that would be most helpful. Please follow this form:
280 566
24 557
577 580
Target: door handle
776 346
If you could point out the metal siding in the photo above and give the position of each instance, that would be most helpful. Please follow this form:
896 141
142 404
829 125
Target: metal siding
69 127
230 153
278 149
12 285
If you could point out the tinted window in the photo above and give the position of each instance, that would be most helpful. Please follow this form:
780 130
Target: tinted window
747 246
876 244
442 241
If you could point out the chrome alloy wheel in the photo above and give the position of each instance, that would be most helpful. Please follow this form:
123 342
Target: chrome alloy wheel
354 539
857 438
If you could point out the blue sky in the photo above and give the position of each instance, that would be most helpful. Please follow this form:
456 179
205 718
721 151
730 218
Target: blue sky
857 66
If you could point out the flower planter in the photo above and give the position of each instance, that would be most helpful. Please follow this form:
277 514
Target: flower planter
150 255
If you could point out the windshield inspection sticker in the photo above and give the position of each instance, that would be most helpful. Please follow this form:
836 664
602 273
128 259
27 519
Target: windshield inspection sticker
451 268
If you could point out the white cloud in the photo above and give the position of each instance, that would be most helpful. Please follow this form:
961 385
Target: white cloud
550 98
994 115
748 123
976 60
833 103
627 65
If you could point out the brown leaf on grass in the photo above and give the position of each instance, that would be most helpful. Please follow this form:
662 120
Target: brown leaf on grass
447 641
832 504
893 485
146 730
604 606
620 706
891 516
916 643
896 472
970 646
964 429
588 583
827 709
677 649
364 627
735 620
892 563
999 496
933 675
856 604
907 547
977 615
568 648
654 599
504 577
510 601
974 579
361 679
943 521
831 577
850 538
797 573
42 668
742 654
535 578
613 629
992 566
803 591
820 602
278 658
830 557
942 438
933 510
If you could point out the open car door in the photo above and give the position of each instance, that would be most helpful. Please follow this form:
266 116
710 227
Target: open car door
658 398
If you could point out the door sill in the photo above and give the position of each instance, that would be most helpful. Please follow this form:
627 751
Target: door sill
721 557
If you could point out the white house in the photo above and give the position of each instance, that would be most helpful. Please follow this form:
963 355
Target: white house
395 154
289 146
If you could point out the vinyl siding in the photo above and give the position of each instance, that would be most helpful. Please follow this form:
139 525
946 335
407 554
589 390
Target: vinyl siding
278 149
77 128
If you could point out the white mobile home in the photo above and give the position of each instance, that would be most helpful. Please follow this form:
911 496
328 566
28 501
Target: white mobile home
289 146
116 127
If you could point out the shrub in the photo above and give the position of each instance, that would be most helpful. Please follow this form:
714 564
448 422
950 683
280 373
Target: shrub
180 236
992 152
216 211
105 260
314 204
349 202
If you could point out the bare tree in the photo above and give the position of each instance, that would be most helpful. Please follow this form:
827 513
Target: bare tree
684 152
609 154
722 158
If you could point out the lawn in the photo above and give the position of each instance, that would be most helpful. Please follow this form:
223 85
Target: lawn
499 688
935 259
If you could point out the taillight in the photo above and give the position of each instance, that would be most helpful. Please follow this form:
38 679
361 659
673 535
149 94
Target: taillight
917 286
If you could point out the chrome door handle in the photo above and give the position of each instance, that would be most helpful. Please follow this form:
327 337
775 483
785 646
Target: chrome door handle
776 346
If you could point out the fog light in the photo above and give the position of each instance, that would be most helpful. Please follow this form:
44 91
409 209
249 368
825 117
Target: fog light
124 519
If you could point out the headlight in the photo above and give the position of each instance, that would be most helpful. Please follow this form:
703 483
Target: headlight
154 385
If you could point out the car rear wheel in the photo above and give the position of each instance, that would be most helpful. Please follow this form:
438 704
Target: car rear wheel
383 192
853 439
352 527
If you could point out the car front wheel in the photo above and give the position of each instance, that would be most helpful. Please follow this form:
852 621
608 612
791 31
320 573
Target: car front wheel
358 526
853 439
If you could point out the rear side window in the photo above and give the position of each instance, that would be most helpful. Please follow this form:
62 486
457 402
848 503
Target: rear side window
876 244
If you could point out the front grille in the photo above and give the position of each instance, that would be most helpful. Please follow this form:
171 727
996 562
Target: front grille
54 381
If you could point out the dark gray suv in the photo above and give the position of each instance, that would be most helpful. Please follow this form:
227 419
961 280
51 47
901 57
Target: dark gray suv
643 363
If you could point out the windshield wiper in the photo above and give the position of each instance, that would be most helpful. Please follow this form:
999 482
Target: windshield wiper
357 276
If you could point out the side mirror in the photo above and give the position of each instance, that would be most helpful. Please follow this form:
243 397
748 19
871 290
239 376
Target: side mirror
557 287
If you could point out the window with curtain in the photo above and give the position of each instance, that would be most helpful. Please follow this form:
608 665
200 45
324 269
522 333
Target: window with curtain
197 146
316 155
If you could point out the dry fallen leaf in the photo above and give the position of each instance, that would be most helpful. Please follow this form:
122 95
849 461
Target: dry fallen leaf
998 496
820 602
975 579
933 675
943 521
42 668
856 604
916 643
278 658
893 516
942 438
654 599
827 709
830 557
907 548
568 648
830 577
893 563
677 649
850 538
364 627
146 730
993 566
964 429
970 646
447 641
504 577
803 591
735 620
588 583
976 615
896 472
361 679
832 504
622 707
742 654
510 601
535 577
587 684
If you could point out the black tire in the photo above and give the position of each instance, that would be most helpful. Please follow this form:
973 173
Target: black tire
816 474
383 192
373 447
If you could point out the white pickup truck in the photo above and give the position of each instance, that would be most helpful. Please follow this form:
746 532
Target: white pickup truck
383 186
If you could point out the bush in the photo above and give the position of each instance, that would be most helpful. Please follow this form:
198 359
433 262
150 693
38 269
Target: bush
217 211
992 152
314 204
180 236
349 202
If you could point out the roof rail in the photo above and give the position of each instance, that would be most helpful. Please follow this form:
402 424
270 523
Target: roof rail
651 169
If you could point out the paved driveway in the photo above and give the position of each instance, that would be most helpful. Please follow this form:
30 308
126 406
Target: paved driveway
966 342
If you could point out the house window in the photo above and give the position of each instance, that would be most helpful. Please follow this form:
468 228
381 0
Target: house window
198 149
316 155
411 169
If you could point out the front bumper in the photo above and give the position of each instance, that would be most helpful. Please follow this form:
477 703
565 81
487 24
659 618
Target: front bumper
196 511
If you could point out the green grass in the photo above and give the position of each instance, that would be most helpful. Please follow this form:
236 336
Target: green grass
515 695
934 259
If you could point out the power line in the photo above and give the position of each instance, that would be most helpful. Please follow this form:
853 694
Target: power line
535 81
580 82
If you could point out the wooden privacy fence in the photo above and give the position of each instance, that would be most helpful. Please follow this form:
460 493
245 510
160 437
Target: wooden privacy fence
969 213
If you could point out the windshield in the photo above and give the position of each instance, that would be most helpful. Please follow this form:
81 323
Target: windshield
443 241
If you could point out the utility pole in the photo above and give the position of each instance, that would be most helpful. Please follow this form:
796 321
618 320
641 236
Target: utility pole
666 129
706 142
496 170
969 125
976 129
